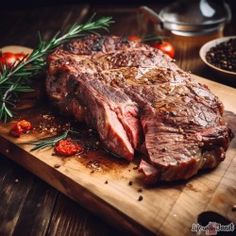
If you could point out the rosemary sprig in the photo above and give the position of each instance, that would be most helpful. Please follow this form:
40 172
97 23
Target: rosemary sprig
50 142
15 80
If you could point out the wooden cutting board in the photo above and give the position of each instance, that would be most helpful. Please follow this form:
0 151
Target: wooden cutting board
112 189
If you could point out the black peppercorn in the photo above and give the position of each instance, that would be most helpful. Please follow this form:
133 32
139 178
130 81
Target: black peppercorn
223 55
140 198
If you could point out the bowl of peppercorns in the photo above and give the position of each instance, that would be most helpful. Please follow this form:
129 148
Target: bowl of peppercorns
220 55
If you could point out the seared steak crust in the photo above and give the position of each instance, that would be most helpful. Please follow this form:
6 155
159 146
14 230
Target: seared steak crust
139 100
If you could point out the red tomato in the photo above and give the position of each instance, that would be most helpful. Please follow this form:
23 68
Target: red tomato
165 47
20 128
134 38
66 148
9 58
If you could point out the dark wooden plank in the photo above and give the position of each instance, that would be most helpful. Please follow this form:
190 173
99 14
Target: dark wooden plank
36 212
26 203
13 192
71 219
4 170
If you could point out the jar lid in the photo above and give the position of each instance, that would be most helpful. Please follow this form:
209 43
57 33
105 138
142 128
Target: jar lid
195 17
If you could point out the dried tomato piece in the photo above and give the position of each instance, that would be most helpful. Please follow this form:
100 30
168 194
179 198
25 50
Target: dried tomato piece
67 148
16 130
20 128
25 125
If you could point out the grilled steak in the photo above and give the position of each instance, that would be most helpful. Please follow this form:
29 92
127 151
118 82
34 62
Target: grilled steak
139 101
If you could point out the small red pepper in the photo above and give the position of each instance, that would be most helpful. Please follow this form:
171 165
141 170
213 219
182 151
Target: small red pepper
20 127
67 148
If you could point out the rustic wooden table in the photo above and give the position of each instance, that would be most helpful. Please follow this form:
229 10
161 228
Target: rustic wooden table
28 206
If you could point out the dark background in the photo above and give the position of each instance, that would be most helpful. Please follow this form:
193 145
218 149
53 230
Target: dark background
27 3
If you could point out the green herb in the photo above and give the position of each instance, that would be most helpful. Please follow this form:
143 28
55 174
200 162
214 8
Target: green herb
15 80
50 142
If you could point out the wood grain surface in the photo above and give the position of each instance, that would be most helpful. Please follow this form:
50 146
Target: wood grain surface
29 206
106 189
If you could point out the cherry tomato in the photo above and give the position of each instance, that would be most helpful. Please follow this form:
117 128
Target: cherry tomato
9 58
20 127
67 148
134 38
165 47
